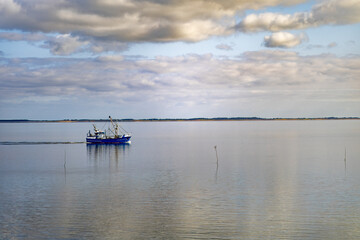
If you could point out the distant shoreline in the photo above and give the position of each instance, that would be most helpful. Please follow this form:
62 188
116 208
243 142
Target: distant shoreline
176 119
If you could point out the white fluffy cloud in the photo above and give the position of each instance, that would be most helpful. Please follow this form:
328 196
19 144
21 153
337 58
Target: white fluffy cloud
284 40
331 12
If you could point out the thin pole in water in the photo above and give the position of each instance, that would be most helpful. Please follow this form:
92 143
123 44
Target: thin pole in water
65 159
217 163
345 155
65 164
217 158
345 160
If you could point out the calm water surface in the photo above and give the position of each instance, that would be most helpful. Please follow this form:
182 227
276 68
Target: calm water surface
273 180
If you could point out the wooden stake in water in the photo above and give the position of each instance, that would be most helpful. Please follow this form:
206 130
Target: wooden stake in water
345 155
64 159
345 159
65 164
217 158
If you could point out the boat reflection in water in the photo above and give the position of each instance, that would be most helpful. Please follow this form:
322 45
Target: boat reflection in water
106 154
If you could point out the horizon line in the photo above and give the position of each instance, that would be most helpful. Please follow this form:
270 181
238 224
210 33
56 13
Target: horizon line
182 119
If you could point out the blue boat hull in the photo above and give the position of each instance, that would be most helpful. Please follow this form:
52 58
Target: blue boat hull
108 140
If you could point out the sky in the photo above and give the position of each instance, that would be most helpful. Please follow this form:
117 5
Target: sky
71 59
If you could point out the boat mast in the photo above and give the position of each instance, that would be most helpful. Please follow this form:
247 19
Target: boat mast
115 126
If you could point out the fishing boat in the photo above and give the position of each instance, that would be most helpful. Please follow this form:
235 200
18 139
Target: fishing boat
113 136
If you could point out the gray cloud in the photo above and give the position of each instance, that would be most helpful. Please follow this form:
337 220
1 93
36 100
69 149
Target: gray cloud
129 21
284 40
15 36
65 44
332 12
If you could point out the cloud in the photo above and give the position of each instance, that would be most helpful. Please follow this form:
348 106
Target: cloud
65 44
62 44
284 40
17 36
185 86
224 47
332 12
129 21
9 6
190 79
98 46
318 46
102 26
